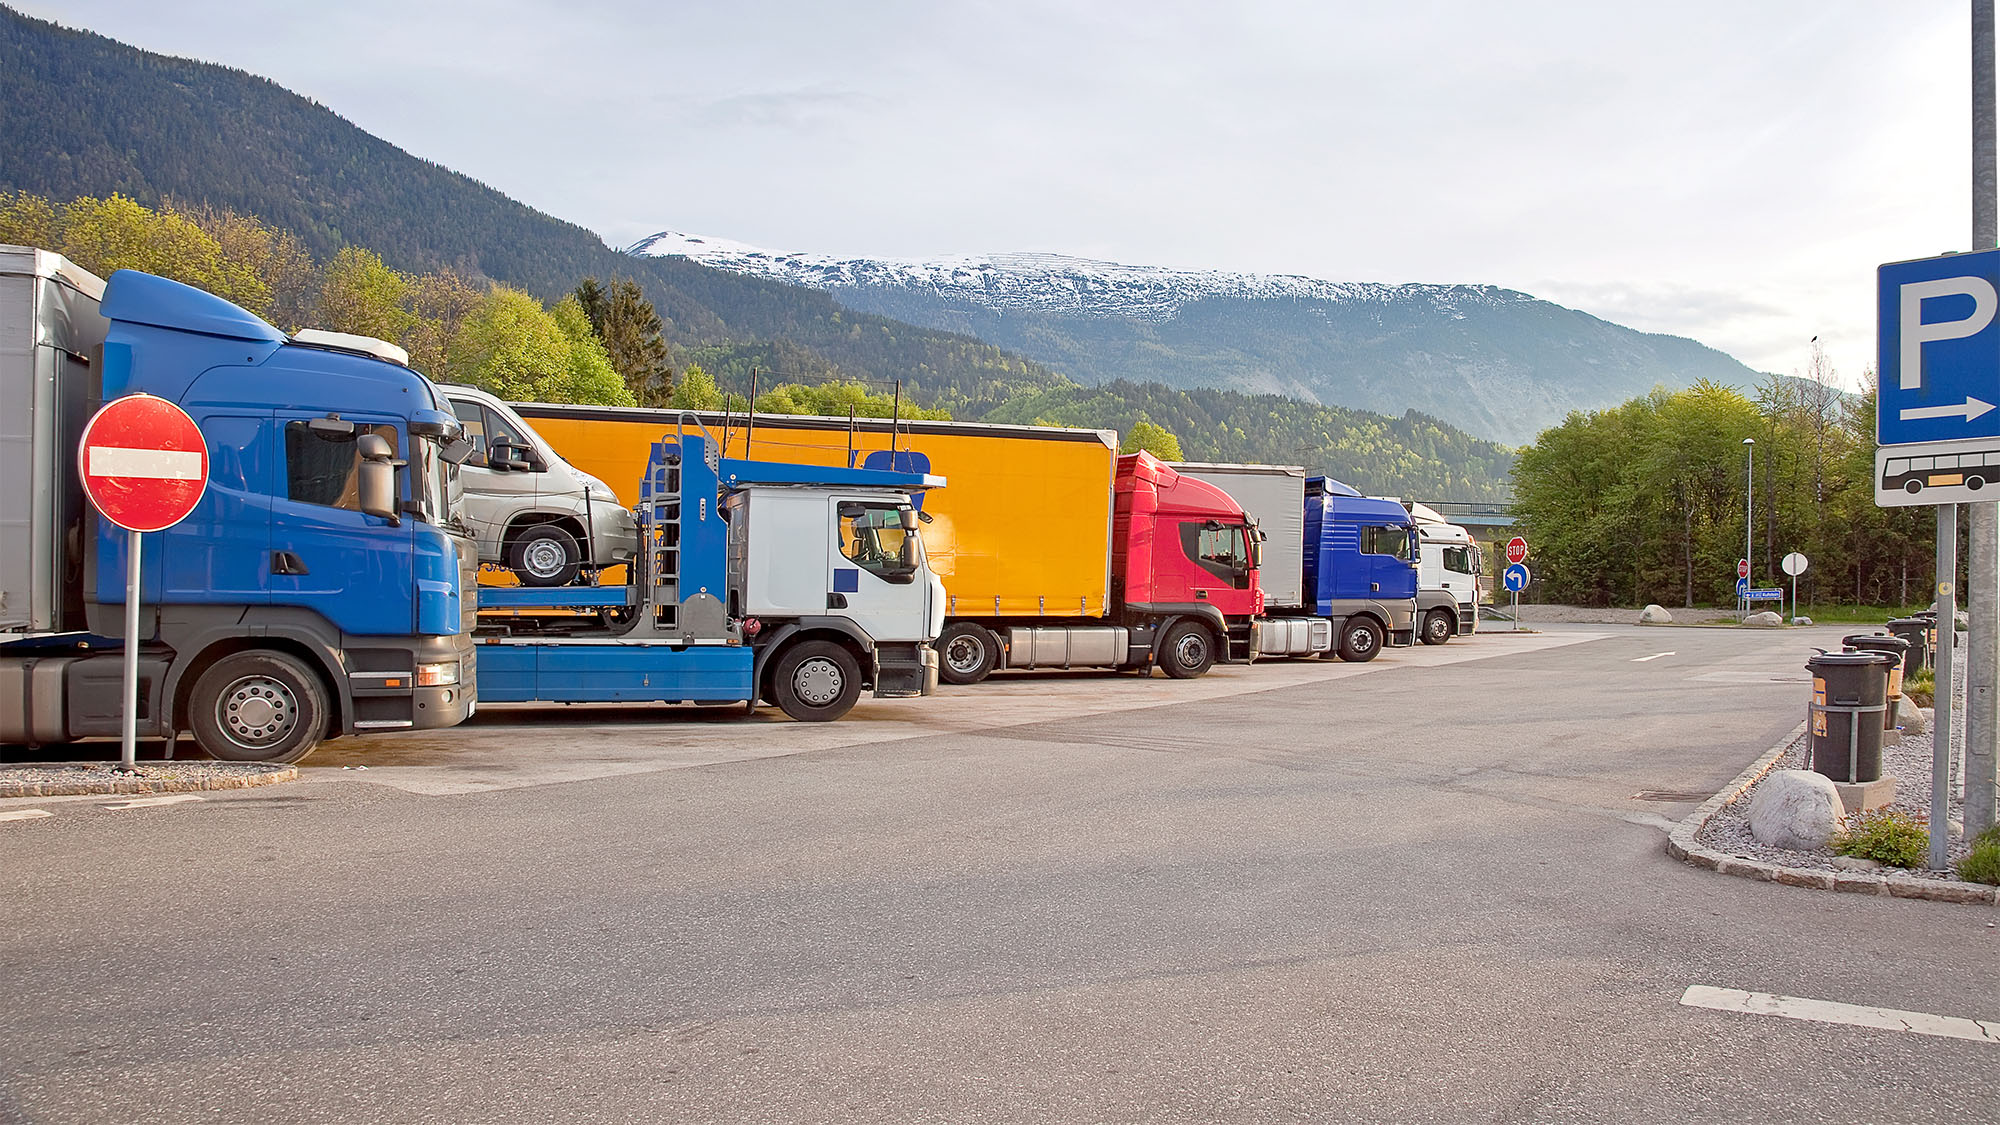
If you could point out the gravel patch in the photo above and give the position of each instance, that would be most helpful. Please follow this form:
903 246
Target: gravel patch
71 779
1909 762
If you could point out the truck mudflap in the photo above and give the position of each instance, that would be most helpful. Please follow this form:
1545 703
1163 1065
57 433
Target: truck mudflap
905 670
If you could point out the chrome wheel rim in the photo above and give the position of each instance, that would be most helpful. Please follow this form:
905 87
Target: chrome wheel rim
817 682
257 712
1361 640
1190 650
965 654
544 558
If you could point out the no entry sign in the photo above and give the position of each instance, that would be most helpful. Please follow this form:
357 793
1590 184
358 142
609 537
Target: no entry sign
143 463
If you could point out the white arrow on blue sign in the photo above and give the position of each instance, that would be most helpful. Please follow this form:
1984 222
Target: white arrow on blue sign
1515 577
1742 586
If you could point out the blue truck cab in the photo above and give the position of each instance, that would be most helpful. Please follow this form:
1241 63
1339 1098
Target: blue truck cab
323 585
1360 567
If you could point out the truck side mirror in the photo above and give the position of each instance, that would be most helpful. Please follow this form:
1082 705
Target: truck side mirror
377 477
455 451
907 517
502 455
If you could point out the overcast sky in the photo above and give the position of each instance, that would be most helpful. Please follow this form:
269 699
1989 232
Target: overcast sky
1729 171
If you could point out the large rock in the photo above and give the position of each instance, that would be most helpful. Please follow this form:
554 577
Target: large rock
1795 809
1764 620
1911 717
1655 615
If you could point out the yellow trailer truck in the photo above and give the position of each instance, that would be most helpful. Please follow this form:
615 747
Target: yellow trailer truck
1032 538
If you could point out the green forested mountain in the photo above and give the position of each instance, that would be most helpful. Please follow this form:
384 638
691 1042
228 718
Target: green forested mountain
82 115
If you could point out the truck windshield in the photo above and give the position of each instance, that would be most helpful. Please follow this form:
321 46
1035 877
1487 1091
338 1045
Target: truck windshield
432 480
872 537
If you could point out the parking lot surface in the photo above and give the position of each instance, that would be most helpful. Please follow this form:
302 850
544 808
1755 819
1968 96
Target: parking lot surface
1430 888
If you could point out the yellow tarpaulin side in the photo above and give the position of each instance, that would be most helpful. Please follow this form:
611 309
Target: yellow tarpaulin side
1022 517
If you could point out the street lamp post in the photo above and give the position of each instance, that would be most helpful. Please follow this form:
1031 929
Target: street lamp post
1749 494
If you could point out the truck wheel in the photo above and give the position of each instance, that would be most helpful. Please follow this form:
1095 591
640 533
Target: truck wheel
966 653
545 555
1438 627
1360 640
258 707
816 681
1187 650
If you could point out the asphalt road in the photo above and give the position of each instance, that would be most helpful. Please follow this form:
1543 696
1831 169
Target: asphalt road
1431 888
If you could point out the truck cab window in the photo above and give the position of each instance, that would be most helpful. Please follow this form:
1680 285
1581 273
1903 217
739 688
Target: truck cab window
1458 560
872 537
1391 540
324 470
1221 549
473 417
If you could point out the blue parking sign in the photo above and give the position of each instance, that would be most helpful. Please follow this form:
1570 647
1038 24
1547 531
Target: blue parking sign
1939 349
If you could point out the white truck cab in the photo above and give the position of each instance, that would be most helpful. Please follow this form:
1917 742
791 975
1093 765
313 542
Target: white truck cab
1449 573
530 510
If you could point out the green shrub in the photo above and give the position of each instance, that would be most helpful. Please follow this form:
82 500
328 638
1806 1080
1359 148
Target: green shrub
1983 864
1888 836
1921 688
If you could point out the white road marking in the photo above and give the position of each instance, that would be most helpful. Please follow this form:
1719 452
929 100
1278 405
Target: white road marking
1828 1011
25 814
150 464
1655 656
149 802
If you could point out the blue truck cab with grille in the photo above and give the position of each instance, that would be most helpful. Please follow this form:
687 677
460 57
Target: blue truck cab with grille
1360 567
323 585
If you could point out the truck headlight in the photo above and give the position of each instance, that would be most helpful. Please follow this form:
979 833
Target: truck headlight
437 675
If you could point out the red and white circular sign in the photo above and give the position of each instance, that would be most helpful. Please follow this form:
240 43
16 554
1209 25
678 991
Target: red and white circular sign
1742 568
143 463
1517 550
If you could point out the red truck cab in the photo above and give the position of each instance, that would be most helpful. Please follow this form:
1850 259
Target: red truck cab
1183 562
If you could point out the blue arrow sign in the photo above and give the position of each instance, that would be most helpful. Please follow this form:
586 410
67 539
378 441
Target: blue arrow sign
1742 587
1515 577
1939 354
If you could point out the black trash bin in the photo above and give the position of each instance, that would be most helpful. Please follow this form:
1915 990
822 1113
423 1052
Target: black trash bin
1845 731
1917 633
1898 651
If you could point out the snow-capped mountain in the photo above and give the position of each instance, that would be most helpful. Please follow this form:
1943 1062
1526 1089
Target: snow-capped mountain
1497 362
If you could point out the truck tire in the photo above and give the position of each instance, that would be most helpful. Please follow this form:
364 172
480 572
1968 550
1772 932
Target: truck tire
258 707
1360 640
545 555
1186 650
966 652
1439 627
816 681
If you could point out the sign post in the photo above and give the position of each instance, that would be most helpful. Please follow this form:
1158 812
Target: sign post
144 467
1937 434
1794 564
1515 577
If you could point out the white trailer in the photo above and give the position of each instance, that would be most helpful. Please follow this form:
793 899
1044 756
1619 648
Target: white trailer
1450 570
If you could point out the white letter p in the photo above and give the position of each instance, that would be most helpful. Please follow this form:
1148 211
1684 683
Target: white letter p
1916 333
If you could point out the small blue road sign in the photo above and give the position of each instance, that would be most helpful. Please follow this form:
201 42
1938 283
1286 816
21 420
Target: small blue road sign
1515 577
1939 349
1766 595
1742 587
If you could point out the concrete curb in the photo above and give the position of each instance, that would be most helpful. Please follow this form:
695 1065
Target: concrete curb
233 775
1682 844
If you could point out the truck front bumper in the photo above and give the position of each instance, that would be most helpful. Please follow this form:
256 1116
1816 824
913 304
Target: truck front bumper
405 696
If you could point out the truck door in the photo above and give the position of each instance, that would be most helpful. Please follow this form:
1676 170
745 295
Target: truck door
875 568
221 554
355 570
1387 558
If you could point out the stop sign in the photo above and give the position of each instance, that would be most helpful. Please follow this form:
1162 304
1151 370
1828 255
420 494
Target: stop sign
1517 550
1742 568
143 463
